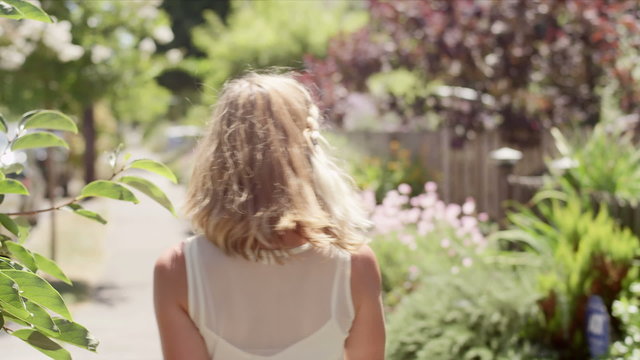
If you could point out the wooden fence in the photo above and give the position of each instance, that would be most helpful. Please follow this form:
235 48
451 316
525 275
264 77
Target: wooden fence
465 172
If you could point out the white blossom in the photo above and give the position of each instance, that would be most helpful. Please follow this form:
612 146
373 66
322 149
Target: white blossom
11 58
100 53
70 52
57 36
147 12
147 46
163 34
174 56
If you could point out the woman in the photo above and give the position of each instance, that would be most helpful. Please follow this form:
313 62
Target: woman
281 270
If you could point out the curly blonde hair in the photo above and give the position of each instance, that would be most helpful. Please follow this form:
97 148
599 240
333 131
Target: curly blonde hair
261 170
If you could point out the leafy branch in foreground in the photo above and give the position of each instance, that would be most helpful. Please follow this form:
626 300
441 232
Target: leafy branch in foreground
27 300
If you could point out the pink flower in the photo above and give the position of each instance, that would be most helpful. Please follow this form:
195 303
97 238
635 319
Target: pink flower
469 206
413 272
445 243
467 262
469 222
424 228
453 211
483 217
369 199
404 189
431 186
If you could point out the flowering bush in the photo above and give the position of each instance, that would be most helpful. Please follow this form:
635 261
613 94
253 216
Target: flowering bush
422 235
385 174
447 293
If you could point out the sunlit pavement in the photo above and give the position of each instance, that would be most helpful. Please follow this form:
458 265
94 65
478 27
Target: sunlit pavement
120 311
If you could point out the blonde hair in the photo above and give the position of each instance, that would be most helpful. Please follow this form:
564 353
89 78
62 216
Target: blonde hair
261 170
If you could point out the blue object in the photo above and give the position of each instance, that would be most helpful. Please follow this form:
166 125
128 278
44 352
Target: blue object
597 326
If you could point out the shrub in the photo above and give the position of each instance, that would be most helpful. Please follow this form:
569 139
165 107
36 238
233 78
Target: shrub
583 253
421 235
486 312
626 309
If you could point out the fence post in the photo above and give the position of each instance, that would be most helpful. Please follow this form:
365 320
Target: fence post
506 159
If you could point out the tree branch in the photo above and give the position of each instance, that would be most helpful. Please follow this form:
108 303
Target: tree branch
33 212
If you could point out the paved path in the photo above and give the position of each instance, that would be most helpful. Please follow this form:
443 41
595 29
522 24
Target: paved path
120 312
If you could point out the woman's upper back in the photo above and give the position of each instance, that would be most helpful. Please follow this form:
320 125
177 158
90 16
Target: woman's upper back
255 310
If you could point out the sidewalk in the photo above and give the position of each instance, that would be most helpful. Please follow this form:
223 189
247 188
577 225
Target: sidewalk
119 312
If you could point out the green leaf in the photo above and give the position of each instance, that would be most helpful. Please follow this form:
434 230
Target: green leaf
52 120
15 168
1 320
41 319
10 186
42 343
155 167
9 224
23 255
87 213
29 11
10 299
149 189
76 334
50 267
108 189
8 11
6 263
38 139
3 124
38 290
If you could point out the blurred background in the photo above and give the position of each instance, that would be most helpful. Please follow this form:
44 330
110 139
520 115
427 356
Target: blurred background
494 141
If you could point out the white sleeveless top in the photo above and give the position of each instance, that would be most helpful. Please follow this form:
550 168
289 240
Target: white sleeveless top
248 310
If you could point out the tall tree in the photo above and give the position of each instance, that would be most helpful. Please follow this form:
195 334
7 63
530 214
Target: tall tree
96 51
474 63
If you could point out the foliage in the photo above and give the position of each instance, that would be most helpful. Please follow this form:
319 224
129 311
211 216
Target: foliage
583 253
95 52
422 235
592 169
475 64
436 265
266 33
627 310
457 316
381 174
26 298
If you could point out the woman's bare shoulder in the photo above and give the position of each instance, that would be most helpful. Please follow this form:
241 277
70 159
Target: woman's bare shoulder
170 273
365 276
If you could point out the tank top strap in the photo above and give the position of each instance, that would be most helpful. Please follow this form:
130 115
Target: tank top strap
195 290
342 310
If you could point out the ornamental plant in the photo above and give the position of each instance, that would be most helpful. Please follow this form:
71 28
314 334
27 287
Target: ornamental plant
520 65
627 310
30 308
580 252
421 235
448 293
36 311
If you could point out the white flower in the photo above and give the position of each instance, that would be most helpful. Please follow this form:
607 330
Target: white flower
11 58
70 52
163 34
147 12
57 35
174 56
147 45
100 53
